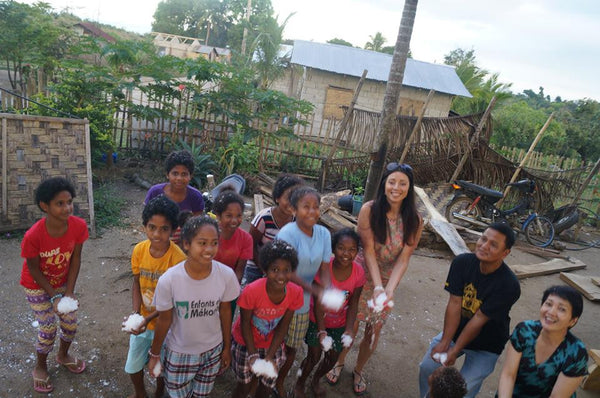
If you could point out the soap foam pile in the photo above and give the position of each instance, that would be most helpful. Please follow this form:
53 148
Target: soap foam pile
333 299
380 303
262 367
67 304
157 370
347 340
443 357
327 343
133 322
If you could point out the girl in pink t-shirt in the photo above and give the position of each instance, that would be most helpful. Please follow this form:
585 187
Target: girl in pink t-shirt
349 277
266 309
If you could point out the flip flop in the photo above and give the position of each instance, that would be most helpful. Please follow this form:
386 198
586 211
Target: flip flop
360 387
333 376
37 388
80 365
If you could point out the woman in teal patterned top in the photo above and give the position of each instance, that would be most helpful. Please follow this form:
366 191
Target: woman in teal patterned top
544 358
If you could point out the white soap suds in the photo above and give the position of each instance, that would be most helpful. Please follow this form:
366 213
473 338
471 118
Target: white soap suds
380 303
157 370
133 322
327 343
347 340
262 367
333 299
67 304
441 357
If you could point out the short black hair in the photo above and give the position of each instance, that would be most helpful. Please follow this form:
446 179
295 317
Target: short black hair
338 235
193 225
51 187
275 250
447 382
566 293
177 158
227 196
301 192
505 230
161 205
184 215
284 182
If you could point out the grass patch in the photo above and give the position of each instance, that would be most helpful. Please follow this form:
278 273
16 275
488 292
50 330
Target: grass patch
108 205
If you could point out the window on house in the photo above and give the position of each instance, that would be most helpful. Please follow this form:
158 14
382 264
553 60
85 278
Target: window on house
335 98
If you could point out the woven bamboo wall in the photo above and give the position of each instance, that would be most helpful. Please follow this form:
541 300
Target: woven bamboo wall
34 148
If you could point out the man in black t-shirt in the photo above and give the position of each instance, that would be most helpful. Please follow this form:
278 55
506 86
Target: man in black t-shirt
476 323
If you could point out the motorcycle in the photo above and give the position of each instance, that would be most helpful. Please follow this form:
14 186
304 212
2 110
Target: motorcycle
475 205
235 181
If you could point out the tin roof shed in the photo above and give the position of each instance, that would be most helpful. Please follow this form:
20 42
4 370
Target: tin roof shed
352 61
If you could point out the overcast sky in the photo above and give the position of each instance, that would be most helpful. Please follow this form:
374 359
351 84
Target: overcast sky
530 43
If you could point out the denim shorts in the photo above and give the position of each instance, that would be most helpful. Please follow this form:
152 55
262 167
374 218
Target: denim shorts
137 357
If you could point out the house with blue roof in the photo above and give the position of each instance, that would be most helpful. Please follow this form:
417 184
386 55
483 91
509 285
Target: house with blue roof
327 74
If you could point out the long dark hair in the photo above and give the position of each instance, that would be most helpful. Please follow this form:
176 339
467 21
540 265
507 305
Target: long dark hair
408 209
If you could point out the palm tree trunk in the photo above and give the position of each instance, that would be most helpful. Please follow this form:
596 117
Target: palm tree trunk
387 120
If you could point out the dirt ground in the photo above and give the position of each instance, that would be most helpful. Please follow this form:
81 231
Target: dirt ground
104 292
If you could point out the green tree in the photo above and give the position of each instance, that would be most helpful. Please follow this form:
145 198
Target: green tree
582 122
516 124
480 83
341 42
265 52
375 42
217 22
30 38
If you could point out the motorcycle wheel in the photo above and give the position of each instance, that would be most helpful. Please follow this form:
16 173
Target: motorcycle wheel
462 205
567 221
539 232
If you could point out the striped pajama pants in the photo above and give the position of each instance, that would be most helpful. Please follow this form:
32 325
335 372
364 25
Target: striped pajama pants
39 301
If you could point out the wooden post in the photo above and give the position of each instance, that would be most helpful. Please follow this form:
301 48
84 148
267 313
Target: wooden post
586 182
4 168
416 127
90 187
343 124
473 140
537 139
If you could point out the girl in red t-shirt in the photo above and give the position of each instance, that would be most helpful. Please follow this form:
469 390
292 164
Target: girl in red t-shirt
52 252
266 309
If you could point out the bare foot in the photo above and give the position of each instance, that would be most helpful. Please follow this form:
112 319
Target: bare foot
317 390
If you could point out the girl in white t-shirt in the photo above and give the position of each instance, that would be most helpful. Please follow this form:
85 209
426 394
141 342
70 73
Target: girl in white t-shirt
193 300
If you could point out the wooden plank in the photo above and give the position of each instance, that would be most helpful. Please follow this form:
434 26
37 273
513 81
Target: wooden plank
596 280
595 355
546 268
259 204
344 214
442 227
592 380
583 284
330 222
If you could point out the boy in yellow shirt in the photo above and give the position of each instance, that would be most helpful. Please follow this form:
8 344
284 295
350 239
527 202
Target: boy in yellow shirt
149 260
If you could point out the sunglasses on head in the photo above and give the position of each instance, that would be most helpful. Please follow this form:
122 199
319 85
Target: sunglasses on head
395 166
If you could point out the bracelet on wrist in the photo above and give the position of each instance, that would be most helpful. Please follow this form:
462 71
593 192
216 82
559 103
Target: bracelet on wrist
56 296
378 287
255 355
320 332
153 355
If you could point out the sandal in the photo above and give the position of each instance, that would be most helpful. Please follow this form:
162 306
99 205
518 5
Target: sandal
333 376
359 387
76 367
46 388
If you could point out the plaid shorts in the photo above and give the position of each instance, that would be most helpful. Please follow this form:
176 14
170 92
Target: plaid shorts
312 336
297 330
188 375
241 368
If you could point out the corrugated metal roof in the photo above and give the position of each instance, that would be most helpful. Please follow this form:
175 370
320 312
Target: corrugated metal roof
352 61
